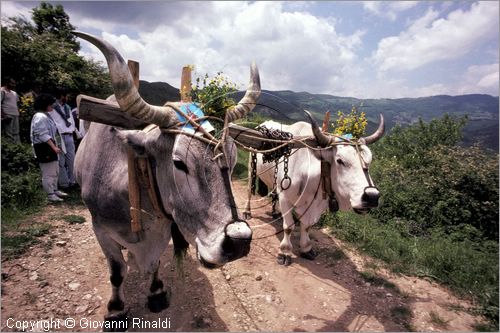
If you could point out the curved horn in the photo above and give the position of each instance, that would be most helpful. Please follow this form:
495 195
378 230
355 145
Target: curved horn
248 102
126 93
322 138
377 134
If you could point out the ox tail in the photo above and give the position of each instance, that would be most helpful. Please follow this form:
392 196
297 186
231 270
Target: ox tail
180 249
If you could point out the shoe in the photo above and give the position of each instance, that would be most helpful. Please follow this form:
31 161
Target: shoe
54 198
61 193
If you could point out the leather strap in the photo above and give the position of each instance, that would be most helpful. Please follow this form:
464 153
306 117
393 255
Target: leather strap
141 174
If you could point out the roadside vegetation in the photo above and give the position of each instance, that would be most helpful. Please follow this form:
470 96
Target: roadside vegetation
438 215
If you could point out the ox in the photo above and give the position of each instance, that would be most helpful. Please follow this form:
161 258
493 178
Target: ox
192 180
350 181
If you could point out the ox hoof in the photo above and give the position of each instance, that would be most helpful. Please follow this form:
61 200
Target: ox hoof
116 322
311 255
284 260
158 302
247 216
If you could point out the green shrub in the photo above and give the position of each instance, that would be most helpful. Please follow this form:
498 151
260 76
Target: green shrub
21 177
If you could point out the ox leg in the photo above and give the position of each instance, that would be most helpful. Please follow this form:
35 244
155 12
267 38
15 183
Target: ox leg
306 250
117 313
286 247
158 297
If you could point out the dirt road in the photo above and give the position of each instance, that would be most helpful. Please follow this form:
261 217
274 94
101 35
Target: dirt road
65 276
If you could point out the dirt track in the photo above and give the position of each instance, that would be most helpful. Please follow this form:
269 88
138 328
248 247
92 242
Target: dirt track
66 276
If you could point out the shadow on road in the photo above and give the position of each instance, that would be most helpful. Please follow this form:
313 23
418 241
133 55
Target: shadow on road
192 306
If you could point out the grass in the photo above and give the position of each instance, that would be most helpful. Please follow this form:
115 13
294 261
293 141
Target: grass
468 268
73 219
16 243
19 233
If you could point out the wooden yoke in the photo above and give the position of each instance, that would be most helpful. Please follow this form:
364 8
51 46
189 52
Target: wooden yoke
134 191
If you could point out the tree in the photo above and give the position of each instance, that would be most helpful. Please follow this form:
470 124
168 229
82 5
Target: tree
54 20
46 55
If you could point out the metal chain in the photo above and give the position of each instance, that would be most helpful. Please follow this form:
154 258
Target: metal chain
274 192
285 186
253 177
275 134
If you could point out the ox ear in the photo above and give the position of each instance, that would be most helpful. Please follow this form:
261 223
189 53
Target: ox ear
134 139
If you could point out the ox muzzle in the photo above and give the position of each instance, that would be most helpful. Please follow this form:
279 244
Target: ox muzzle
236 243
370 196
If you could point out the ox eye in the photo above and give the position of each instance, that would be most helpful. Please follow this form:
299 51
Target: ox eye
181 166
340 162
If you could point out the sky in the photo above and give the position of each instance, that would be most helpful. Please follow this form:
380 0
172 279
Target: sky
354 48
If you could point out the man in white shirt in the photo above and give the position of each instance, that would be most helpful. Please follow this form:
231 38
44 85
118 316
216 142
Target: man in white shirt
10 111
66 126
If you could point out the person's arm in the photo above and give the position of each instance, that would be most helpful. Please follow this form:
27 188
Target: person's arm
52 145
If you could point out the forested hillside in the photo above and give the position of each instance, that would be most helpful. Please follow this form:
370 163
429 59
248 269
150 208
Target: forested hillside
481 110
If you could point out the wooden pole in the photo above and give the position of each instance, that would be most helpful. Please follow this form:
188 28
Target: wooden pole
133 66
185 90
134 190
326 122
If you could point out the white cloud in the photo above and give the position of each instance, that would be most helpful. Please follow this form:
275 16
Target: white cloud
294 50
480 79
388 9
430 39
14 9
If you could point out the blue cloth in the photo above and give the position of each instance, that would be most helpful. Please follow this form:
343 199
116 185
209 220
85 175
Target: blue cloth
193 111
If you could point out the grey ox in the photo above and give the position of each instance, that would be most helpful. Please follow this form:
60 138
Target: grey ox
193 186
347 166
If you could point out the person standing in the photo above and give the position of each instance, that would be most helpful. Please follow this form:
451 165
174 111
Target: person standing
43 134
66 126
10 111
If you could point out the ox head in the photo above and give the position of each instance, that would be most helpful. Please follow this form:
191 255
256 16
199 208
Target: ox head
349 168
193 182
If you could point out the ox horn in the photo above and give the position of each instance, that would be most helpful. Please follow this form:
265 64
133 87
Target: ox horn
126 93
377 134
322 138
248 102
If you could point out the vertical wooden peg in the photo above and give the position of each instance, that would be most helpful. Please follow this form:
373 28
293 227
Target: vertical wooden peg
326 122
133 67
185 90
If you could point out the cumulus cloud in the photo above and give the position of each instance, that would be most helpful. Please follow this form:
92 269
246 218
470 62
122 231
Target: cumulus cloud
480 79
294 50
389 9
431 39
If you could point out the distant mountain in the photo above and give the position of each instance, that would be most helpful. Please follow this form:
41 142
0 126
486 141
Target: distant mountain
287 106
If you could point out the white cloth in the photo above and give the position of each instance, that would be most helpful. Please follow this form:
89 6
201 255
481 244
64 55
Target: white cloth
61 124
9 102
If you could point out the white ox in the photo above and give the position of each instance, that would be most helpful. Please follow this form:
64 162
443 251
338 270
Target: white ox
350 181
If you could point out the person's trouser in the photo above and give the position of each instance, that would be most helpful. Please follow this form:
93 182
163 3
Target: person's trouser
10 127
50 172
66 161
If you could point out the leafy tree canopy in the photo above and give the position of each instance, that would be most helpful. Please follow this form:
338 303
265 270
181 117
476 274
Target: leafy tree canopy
45 55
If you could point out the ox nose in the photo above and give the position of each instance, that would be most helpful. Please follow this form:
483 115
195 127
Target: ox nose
370 196
237 240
